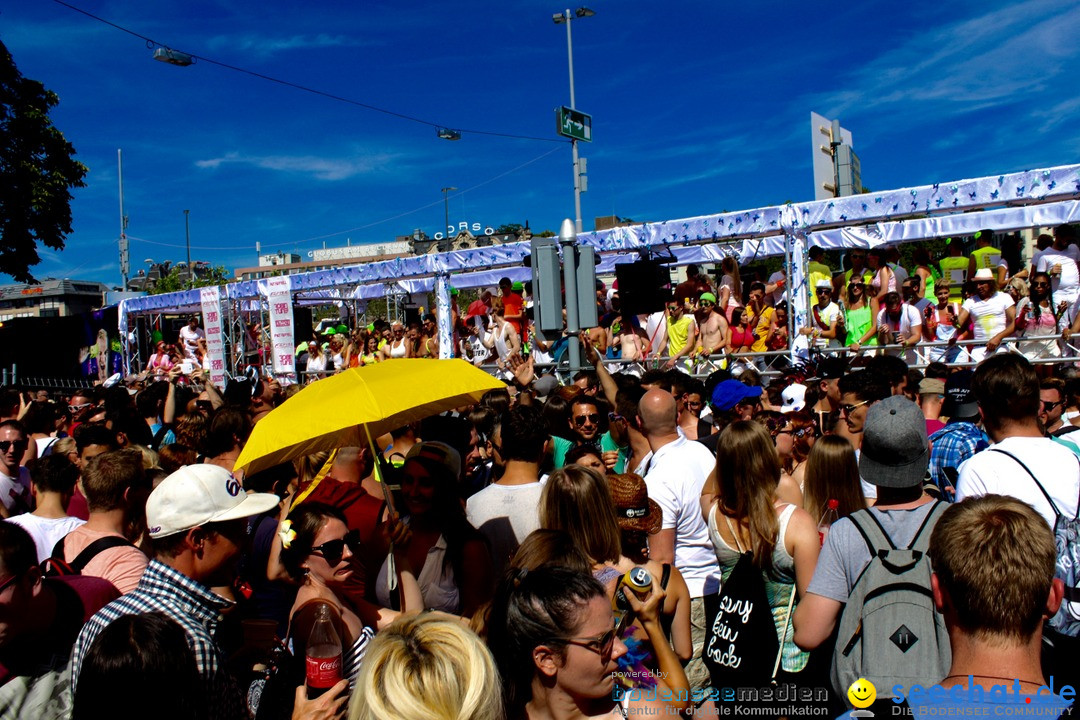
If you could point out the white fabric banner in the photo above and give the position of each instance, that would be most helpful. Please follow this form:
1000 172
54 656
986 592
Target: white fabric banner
279 298
210 299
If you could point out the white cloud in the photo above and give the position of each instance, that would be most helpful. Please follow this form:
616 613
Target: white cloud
1008 55
263 45
318 167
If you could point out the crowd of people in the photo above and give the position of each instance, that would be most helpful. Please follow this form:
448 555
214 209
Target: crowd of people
640 541
956 308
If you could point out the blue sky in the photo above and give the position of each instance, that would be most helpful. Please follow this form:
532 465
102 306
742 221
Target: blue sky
697 107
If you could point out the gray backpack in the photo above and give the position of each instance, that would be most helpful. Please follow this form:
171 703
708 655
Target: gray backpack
889 631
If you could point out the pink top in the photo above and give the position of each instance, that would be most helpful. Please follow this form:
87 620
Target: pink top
741 337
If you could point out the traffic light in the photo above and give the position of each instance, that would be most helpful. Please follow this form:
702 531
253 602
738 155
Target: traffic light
546 285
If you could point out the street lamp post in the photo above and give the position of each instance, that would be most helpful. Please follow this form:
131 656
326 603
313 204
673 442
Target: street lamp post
446 216
560 18
187 242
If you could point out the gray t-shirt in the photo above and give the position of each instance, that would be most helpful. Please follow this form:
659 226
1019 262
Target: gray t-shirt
845 555
505 514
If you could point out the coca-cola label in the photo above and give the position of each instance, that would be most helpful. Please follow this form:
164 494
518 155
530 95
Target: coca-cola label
323 672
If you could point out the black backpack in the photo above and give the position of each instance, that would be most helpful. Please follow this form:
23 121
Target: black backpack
741 643
55 565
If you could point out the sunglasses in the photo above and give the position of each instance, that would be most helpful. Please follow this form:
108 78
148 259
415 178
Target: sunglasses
848 409
593 418
333 550
1048 406
5 445
672 308
77 408
801 432
1040 285
602 644
706 303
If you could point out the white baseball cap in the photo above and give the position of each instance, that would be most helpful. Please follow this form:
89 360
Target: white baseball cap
794 398
196 495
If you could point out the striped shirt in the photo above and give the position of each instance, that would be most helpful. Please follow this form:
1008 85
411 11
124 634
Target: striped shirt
196 609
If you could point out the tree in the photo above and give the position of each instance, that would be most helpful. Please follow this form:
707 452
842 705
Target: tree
37 172
177 279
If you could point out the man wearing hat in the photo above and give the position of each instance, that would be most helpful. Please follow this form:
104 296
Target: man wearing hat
827 377
826 318
816 271
894 457
931 398
992 315
712 326
731 400
961 437
197 521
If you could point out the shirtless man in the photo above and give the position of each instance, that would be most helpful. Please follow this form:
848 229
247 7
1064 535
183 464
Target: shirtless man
712 325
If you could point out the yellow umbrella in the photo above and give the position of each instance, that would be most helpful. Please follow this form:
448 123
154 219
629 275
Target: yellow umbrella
343 409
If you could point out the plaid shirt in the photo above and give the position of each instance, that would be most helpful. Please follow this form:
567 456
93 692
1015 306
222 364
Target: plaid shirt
196 609
950 447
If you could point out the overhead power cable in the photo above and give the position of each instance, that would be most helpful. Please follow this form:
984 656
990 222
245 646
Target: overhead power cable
304 88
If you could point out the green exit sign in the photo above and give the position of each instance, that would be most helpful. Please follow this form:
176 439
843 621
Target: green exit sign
574 124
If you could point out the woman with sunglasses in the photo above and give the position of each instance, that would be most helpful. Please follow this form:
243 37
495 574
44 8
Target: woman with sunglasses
552 632
398 346
317 551
1036 316
748 515
794 440
859 317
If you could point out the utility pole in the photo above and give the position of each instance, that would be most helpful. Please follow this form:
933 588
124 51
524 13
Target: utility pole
187 241
125 256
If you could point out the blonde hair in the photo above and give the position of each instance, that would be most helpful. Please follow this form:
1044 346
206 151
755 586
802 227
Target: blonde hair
308 466
427 667
578 500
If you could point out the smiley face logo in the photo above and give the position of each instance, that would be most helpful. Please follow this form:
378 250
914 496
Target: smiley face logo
862 693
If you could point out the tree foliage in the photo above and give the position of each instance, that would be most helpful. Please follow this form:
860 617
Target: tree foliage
177 279
37 172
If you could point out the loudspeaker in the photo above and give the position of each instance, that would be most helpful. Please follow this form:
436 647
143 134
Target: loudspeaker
644 286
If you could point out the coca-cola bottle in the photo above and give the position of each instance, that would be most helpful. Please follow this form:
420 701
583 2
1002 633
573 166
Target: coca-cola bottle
323 654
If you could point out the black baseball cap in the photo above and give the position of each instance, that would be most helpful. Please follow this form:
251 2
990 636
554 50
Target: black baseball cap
959 400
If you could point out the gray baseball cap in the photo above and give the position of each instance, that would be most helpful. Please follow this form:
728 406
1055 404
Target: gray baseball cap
895 452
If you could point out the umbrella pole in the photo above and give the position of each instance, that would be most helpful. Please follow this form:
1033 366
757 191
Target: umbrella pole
391 565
